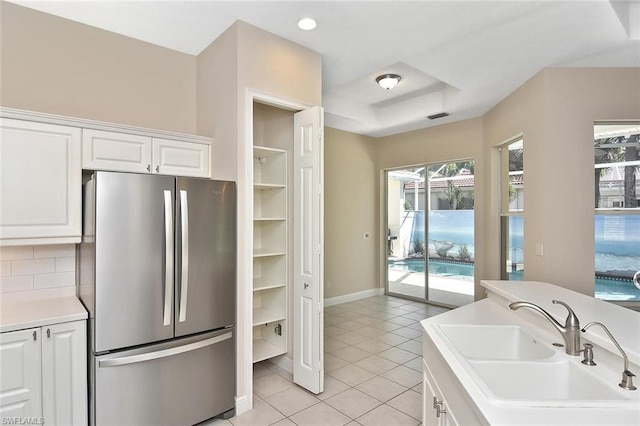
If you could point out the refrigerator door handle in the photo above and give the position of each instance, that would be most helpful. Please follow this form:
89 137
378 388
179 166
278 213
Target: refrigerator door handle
163 353
168 273
184 277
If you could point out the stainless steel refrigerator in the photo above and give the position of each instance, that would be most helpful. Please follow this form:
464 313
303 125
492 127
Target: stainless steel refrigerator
157 269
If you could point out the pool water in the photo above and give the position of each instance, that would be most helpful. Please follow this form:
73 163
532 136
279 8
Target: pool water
607 289
462 271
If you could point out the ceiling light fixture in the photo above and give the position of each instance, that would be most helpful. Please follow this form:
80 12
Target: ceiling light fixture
307 24
388 81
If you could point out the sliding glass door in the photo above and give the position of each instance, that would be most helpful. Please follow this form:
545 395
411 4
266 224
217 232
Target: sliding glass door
431 256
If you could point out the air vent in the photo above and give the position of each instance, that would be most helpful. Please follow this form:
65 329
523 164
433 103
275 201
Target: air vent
436 116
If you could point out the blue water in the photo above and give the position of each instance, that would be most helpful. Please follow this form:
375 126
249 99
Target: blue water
605 288
617 245
436 267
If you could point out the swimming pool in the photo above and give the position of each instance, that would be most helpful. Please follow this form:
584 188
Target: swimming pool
463 271
607 289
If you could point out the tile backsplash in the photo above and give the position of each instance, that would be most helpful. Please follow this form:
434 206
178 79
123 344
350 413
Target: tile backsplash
26 268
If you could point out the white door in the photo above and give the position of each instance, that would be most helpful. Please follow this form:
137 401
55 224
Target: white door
20 361
308 153
64 373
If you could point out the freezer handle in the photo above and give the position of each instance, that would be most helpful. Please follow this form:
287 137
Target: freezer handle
164 353
184 278
168 257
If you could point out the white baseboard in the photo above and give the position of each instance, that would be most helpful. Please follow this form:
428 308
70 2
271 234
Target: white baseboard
283 362
243 404
353 297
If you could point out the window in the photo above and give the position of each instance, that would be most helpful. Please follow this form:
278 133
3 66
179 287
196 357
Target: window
617 212
512 210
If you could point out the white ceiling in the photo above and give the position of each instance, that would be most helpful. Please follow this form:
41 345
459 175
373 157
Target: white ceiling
453 56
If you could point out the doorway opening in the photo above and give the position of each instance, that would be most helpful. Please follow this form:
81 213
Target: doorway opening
430 233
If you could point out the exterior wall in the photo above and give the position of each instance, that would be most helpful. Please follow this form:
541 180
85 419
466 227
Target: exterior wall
58 66
350 211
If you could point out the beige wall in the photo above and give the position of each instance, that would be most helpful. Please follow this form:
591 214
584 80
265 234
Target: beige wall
217 102
263 63
54 65
351 203
521 113
276 66
555 111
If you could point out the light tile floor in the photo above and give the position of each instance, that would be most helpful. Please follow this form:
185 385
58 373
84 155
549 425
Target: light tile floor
373 351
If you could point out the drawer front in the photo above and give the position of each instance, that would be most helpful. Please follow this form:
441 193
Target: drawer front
183 382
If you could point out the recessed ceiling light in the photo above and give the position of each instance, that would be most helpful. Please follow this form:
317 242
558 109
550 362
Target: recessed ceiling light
388 81
307 24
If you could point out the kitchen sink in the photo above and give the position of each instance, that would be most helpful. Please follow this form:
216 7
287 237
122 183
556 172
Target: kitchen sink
496 342
513 367
544 383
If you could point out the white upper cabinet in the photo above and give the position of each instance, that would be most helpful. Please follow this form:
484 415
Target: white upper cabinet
40 183
115 151
180 158
105 150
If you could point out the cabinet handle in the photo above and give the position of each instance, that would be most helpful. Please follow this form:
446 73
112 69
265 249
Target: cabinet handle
48 333
157 169
439 406
35 335
436 403
148 167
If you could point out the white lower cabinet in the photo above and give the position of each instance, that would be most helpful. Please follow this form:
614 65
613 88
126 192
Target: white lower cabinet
43 374
435 411
20 374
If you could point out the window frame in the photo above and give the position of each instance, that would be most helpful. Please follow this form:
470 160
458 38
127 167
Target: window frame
504 211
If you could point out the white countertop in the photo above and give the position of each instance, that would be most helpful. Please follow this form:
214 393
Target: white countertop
18 313
623 323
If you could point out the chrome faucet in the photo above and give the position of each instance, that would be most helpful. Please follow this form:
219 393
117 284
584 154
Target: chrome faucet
570 331
627 376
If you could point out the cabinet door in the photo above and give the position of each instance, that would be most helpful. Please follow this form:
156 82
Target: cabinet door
20 360
180 158
435 411
64 373
40 180
115 151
